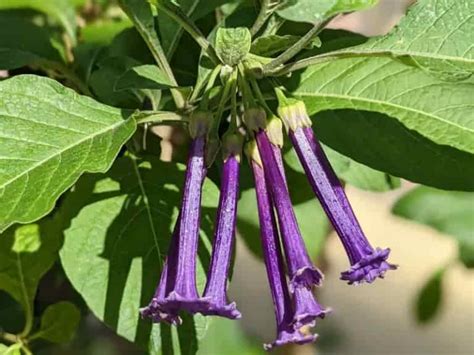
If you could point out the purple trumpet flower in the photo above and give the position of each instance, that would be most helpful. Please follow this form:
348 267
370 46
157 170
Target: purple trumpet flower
224 236
181 290
302 271
306 307
153 310
286 331
367 263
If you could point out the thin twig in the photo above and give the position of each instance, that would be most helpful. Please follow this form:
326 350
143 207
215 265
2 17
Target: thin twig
296 48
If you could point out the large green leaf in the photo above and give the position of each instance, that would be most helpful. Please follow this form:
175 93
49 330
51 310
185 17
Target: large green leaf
449 212
439 110
115 262
384 144
24 43
436 35
49 136
26 253
350 171
317 11
62 10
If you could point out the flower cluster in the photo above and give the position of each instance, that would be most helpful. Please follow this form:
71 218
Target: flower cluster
291 274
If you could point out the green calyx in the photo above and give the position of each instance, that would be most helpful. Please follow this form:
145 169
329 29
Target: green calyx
200 123
232 144
251 150
274 130
292 112
255 118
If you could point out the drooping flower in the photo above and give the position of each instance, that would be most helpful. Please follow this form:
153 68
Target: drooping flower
181 290
286 330
366 262
153 310
224 236
301 270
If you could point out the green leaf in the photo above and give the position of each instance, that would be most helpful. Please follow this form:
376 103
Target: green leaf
61 10
436 35
14 349
466 253
439 110
449 212
384 144
103 32
103 80
312 220
115 262
350 171
50 136
226 336
270 45
143 77
430 297
59 322
318 11
23 43
233 44
26 254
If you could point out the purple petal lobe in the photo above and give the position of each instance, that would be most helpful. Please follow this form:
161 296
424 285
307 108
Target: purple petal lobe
224 237
291 336
301 269
369 268
366 263
307 309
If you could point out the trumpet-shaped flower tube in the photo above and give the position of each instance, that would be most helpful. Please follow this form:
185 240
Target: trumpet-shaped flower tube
286 331
366 262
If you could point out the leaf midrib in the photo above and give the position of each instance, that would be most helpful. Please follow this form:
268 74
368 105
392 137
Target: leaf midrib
384 103
399 52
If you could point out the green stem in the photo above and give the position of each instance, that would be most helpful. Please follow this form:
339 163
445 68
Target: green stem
180 17
261 18
260 96
247 96
296 48
233 116
210 84
8 337
153 43
220 110
322 58
159 118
